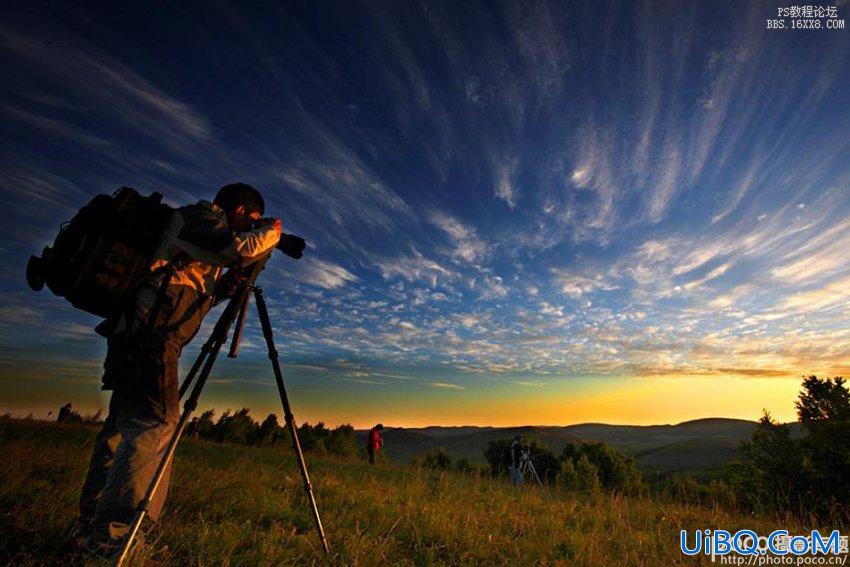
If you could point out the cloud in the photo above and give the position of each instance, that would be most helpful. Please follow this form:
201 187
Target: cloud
836 292
491 287
321 273
350 195
576 284
415 267
711 275
506 185
467 246
593 171
446 385
90 75
666 182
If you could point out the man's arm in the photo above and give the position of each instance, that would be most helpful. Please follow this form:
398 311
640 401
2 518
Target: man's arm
248 246
206 236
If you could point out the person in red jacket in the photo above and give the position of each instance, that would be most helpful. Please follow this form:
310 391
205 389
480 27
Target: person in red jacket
374 443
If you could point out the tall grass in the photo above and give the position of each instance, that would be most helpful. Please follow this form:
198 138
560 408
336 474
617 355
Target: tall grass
233 505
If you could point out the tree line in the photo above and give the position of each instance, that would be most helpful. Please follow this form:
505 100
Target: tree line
240 428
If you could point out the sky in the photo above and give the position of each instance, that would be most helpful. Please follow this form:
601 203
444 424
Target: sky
517 212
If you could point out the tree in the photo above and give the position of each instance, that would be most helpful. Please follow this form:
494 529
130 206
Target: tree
614 470
235 428
269 432
545 462
312 438
567 476
808 475
824 410
774 471
586 474
342 441
497 454
206 425
437 459
822 401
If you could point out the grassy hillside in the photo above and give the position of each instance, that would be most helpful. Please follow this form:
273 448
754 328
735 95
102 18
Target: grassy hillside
245 506
690 446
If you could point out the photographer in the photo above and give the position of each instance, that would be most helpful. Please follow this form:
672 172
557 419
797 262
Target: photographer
144 343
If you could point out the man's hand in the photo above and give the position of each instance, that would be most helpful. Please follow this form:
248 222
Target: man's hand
274 223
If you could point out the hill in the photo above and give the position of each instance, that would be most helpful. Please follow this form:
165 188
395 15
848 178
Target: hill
245 506
689 446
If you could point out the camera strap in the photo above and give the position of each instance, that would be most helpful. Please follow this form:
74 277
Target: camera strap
169 271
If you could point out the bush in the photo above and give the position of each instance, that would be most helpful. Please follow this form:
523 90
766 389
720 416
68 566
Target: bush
342 441
237 428
614 471
587 477
568 476
437 460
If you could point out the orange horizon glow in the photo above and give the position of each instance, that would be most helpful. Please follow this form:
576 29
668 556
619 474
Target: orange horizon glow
609 400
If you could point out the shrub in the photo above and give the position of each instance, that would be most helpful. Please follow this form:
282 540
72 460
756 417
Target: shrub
614 471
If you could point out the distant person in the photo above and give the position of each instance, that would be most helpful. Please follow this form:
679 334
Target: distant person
375 442
65 413
515 459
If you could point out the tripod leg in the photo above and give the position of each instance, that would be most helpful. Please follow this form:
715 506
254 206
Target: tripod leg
534 472
218 338
287 412
199 361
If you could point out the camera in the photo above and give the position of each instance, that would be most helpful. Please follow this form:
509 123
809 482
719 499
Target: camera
291 245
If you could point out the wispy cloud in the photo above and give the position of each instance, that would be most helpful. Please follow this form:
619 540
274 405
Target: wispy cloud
446 385
506 189
321 273
415 267
466 245
88 75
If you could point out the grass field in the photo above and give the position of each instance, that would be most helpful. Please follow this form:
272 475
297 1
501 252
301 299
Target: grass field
245 506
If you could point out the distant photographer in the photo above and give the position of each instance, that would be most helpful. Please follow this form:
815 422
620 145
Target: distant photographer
516 457
144 343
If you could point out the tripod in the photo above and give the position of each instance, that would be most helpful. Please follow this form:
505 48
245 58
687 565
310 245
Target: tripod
526 466
235 311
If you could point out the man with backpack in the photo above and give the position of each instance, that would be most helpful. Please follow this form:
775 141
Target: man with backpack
144 342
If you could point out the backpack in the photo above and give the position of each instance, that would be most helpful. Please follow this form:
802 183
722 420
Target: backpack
104 252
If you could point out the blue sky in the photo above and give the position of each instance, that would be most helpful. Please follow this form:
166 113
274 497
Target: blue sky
517 212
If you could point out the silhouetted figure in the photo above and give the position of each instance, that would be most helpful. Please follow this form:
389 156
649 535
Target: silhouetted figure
144 342
375 442
515 460
65 413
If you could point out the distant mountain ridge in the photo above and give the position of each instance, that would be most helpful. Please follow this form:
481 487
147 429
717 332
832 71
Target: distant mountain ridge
695 445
